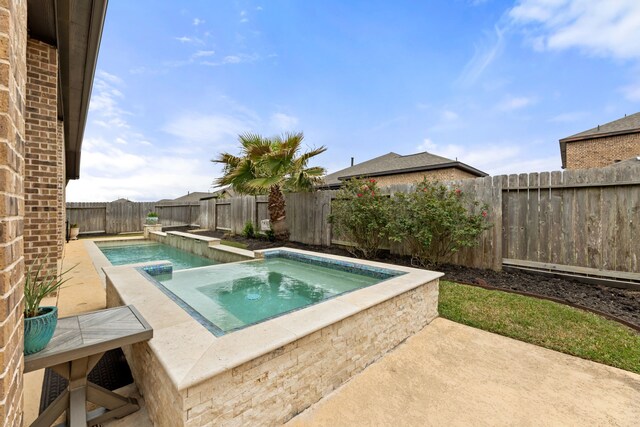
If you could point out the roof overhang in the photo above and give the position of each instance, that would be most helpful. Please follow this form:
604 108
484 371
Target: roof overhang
564 141
75 28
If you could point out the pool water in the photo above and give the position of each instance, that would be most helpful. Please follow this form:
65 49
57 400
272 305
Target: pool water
227 297
132 253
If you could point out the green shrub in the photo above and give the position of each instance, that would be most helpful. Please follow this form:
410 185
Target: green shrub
436 222
360 215
39 284
152 215
271 236
248 231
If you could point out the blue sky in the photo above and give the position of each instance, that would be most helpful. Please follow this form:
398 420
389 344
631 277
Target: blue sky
492 83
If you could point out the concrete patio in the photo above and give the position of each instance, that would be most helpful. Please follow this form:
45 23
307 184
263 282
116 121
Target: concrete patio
447 374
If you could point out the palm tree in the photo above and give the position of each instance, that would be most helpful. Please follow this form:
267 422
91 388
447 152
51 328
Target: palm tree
271 165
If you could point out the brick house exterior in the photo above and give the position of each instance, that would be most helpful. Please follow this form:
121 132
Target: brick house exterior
13 76
603 145
393 168
48 52
44 223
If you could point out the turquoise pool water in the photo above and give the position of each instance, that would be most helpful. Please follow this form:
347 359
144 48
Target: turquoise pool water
231 296
132 253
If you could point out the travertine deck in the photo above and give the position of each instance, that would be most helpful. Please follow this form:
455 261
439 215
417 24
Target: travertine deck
448 374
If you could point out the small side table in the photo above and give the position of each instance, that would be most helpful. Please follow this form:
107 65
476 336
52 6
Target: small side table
77 345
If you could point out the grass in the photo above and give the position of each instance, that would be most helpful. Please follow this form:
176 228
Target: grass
544 323
234 244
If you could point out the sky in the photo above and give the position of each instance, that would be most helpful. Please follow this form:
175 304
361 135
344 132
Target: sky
494 84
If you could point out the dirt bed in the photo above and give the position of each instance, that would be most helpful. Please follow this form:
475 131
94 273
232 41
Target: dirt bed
621 303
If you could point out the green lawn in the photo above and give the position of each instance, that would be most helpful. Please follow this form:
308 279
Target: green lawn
544 323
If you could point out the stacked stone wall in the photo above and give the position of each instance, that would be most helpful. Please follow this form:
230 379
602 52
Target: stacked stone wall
273 388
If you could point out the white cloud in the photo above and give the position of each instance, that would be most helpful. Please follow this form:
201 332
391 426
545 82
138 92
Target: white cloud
221 130
259 8
449 116
102 157
512 103
632 92
203 53
117 161
104 104
609 28
493 158
111 78
573 116
233 59
197 21
284 122
191 40
483 56
141 178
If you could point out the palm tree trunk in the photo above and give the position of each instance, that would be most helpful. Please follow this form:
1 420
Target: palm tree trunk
278 213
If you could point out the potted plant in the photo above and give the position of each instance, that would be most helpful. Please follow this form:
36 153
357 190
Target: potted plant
39 322
74 230
152 218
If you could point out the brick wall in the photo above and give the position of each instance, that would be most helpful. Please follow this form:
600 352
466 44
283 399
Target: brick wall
44 172
446 174
13 36
601 152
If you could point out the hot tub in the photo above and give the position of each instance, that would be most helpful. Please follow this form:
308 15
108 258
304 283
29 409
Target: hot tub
269 368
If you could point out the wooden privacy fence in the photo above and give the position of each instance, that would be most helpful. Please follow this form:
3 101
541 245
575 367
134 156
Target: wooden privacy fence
584 218
127 217
232 214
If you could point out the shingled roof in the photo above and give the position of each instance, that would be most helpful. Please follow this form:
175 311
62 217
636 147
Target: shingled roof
625 125
187 198
393 164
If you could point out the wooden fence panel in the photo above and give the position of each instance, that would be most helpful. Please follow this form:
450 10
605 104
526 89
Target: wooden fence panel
308 217
223 215
586 218
175 214
90 217
262 209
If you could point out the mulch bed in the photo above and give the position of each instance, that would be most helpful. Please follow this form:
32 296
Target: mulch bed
621 303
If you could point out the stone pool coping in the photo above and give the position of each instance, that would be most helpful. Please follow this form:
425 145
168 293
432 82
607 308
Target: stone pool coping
100 261
190 354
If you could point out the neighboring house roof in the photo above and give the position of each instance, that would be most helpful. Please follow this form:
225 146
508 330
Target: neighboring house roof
122 200
625 125
187 198
221 193
75 28
394 164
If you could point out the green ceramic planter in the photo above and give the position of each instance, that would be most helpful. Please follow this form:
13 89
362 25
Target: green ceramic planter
38 330
152 220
